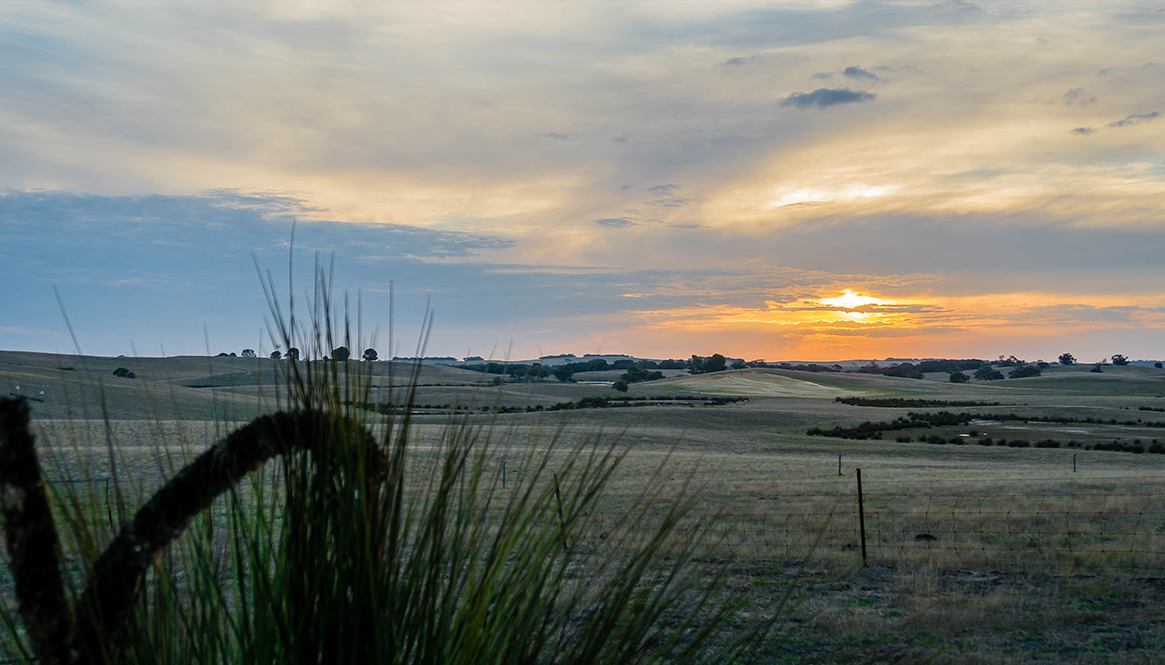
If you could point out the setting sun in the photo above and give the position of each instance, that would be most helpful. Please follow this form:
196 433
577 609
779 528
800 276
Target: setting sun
849 300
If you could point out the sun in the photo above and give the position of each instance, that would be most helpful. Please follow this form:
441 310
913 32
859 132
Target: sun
849 300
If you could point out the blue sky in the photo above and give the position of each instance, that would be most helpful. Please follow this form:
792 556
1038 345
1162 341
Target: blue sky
651 178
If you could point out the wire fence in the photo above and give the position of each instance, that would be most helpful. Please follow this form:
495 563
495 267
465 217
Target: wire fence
1048 525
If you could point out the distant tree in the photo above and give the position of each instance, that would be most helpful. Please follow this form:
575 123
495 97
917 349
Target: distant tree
871 368
903 370
370 355
124 373
276 355
739 364
224 354
1024 371
564 373
340 353
696 365
293 353
1096 369
1118 359
1010 361
957 376
636 374
1067 359
248 353
715 363
1157 365
988 373
621 386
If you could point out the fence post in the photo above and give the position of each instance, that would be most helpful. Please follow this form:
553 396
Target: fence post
862 519
503 473
839 465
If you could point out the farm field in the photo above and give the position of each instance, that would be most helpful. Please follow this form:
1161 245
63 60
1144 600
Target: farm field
974 553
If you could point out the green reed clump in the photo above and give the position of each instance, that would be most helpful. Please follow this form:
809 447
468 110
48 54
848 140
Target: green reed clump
359 547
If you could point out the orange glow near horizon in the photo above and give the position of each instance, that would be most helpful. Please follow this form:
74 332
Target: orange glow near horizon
856 325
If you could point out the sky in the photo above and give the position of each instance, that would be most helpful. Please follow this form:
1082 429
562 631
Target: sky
790 180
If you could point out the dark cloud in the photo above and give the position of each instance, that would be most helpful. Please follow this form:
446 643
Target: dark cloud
1083 131
1077 97
825 97
1135 119
555 135
614 222
855 72
823 75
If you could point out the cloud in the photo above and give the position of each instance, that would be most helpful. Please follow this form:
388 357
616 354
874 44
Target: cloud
855 72
667 196
738 61
825 97
1135 119
614 222
827 76
1083 131
555 135
1077 97
960 6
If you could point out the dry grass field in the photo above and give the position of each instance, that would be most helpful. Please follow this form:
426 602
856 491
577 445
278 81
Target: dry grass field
974 553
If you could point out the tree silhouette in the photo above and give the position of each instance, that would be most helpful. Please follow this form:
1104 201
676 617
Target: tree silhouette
1067 359
370 355
1118 359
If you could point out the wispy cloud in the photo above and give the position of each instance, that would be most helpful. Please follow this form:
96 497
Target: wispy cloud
1078 97
826 97
1135 119
614 222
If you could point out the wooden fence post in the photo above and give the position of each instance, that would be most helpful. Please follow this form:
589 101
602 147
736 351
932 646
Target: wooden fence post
862 519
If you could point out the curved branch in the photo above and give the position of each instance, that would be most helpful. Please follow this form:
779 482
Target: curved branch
113 584
31 537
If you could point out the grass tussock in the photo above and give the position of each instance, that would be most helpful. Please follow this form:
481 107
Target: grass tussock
354 545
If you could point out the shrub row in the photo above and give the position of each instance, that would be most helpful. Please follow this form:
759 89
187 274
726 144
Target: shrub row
898 402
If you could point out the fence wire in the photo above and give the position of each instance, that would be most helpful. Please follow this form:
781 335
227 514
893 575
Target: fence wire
1047 525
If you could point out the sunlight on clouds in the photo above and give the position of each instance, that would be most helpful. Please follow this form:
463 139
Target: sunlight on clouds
786 197
850 300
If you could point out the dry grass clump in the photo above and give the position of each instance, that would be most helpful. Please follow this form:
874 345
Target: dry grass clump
352 547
